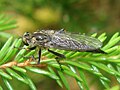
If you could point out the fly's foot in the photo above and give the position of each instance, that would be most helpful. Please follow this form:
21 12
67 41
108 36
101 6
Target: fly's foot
58 61
31 58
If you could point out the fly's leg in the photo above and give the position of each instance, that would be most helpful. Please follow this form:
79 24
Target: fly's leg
57 54
32 48
19 48
32 56
29 57
39 55
58 61
58 57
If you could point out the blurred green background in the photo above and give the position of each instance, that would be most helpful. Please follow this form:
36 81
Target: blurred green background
84 16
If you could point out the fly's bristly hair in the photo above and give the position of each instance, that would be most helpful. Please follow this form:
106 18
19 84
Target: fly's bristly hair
62 40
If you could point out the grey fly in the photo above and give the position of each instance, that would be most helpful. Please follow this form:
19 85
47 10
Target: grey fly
60 39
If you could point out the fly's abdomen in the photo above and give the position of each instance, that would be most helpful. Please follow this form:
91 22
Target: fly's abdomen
67 44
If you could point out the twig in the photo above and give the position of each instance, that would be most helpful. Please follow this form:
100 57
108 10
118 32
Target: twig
22 64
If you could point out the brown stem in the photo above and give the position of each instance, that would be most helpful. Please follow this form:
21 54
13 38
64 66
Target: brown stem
22 64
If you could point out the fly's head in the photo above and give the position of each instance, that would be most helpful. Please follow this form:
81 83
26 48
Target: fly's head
26 38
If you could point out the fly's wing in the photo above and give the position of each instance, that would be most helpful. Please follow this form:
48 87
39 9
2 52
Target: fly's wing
75 42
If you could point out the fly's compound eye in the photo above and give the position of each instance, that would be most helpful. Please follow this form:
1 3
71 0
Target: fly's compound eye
26 35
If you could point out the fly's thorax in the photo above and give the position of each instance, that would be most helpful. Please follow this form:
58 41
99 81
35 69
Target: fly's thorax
50 32
39 39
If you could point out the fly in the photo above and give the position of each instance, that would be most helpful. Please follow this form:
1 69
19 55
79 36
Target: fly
60 39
